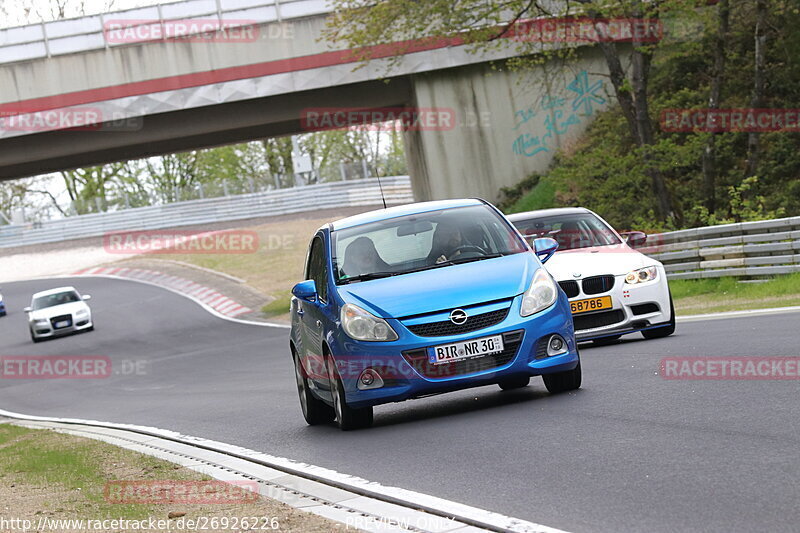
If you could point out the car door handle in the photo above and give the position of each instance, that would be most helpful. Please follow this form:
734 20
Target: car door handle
319 324
300 311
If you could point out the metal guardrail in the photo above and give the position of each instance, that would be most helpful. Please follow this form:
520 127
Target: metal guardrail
354 193
86 33
745 249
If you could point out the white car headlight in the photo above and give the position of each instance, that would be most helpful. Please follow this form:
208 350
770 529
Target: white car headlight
40 321
364 326
641 275
540 295
82 312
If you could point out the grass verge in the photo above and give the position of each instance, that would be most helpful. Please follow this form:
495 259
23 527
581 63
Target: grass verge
713 295
47 477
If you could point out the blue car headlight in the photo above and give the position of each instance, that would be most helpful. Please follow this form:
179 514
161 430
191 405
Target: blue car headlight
364 326
540 295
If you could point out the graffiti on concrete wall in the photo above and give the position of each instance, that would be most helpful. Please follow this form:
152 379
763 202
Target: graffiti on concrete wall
560 114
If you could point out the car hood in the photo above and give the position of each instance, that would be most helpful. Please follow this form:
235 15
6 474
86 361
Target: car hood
63 309
443 288
597 261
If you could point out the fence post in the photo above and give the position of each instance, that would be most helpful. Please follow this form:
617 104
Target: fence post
342 171
364 169
225 187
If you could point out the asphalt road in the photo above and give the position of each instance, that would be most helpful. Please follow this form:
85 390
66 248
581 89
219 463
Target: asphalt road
630 451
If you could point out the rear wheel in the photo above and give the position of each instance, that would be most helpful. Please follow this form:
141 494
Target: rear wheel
563 381
517 382
666 331
315 411
348 417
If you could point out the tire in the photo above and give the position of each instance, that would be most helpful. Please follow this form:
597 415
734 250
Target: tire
315 411
606 341
666 331
90 328
563 381
516 382
34 338
347 417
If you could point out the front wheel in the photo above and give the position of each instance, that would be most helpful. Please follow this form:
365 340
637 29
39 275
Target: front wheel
348 417
666 331
315 411
34 338
563 381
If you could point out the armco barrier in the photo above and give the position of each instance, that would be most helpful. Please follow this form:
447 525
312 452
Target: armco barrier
745 249
365 192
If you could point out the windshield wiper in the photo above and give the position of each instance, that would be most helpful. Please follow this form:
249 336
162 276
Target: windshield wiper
369 276
451 262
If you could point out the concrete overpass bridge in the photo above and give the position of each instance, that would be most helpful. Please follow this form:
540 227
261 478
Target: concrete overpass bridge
153 80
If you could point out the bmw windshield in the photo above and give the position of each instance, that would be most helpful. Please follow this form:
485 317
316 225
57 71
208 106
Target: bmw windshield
435 239
572 231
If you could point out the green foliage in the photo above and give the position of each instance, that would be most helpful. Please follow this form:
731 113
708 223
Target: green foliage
605 172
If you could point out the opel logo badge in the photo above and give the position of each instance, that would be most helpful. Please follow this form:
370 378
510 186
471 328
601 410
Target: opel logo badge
458 316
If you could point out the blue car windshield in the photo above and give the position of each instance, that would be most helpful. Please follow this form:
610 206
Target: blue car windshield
422 241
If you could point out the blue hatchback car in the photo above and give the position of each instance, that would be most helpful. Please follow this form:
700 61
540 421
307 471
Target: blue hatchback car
423 299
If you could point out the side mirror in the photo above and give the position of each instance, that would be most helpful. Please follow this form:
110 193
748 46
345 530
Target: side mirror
305 290
545 247
27 310
635 238
87 296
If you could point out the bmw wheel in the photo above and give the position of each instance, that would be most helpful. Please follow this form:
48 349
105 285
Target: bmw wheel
667 330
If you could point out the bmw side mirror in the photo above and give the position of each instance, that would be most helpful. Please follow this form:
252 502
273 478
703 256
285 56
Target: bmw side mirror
305 290
87 296
545 248
635 238
27 310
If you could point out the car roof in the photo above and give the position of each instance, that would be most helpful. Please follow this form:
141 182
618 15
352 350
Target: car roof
53 291
540 213
402 210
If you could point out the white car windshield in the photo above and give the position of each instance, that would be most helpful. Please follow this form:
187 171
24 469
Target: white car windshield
52 300
421 241
571 231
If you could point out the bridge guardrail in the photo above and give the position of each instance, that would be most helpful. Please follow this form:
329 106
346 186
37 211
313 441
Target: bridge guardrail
67 36
364 192
744 249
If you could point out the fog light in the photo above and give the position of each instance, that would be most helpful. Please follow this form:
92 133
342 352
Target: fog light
369 379
556 345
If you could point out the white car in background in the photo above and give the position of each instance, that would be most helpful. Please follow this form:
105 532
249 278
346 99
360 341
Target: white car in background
58 312
613 289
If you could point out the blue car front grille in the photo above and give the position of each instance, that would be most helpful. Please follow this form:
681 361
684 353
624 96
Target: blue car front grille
418 359
446 327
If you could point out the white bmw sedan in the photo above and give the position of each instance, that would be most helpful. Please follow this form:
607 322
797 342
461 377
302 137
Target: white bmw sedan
58 312
613 289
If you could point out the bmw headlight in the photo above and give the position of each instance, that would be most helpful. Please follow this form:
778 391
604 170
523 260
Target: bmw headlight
540 295
641 275
364 326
